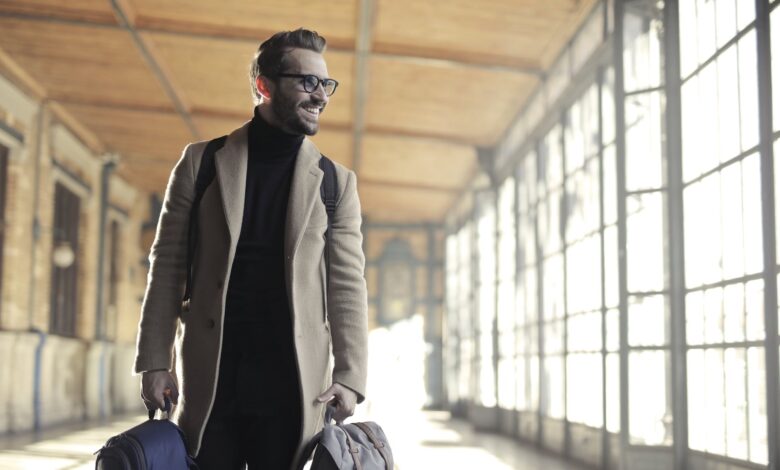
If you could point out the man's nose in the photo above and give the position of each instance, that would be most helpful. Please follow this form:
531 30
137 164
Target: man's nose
319 94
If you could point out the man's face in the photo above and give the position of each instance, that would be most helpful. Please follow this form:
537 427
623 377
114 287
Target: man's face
296 110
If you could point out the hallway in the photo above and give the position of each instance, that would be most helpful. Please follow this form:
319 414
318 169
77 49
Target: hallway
422 440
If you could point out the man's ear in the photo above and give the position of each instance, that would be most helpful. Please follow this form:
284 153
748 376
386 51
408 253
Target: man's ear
264 87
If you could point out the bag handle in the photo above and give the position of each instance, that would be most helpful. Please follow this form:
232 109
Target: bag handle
166 409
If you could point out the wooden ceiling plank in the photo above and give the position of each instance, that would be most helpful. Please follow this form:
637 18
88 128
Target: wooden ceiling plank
77 11
157 67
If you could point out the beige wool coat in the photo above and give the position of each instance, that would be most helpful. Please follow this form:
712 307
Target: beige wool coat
329 325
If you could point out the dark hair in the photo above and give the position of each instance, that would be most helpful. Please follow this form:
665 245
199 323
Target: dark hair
270 57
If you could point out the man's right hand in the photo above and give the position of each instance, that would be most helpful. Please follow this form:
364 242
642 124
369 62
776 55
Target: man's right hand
156 384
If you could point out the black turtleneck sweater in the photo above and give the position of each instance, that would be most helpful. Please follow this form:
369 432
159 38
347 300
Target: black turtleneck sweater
257 291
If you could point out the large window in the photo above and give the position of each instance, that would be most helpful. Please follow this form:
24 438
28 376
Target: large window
507 266
550 171
465 329
527 304
3 191
723 244
604 194
582 203
645 197
451 340
485 261
67 207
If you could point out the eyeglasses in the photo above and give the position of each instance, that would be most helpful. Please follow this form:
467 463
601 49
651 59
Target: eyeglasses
311 82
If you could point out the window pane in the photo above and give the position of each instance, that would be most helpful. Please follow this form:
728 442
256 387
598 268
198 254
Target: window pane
613 393
549 222
736 404
647 321
705 25
754 309
775 47
610 186
506 384
694 317
748 90
734 312
688 38
713 315
522 391
608 107
701 202
728 105
584 275
583 201
611 286
726 17
697 408
642 35
550 158
644 118
613 330
552 404
757 405
553 287
584 404
584 332
746 13
648 409
715 422
751 214
645 242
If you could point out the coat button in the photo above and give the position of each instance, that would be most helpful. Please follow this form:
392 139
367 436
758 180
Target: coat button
219 285
210 323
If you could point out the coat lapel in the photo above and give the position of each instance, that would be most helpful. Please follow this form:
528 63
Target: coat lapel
231 162
304 191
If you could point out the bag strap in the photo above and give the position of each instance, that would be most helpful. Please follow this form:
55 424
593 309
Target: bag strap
206 173
354 450
329 195
379 445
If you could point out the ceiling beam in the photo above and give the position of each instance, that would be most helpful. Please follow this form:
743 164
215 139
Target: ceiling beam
367 15
156 65
228 34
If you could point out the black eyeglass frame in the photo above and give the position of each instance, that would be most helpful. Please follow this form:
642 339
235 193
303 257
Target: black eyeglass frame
320 81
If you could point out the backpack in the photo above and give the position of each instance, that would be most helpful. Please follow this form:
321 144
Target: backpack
152 445
354 446
206 173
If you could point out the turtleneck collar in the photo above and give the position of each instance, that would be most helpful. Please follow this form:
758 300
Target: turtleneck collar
267 141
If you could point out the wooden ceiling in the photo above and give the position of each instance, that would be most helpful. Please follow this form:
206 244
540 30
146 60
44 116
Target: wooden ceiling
422 83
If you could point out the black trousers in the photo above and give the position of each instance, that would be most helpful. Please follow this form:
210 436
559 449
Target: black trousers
256 417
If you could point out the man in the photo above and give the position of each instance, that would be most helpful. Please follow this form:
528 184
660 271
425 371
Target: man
252 362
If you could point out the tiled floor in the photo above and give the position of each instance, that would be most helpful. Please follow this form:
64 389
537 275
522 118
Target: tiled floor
420 440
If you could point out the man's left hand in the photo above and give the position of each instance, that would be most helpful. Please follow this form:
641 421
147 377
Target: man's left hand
344 401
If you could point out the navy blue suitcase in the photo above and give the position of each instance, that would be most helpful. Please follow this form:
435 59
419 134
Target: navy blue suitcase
152 445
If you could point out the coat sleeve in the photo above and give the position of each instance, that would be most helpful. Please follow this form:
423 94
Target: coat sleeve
347 295
167 272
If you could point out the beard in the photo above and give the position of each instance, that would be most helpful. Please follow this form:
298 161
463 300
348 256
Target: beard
288 112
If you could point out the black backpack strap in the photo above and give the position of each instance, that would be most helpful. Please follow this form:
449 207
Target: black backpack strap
329 193
206 173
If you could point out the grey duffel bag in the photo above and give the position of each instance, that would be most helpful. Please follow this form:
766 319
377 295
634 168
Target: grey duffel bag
354 446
